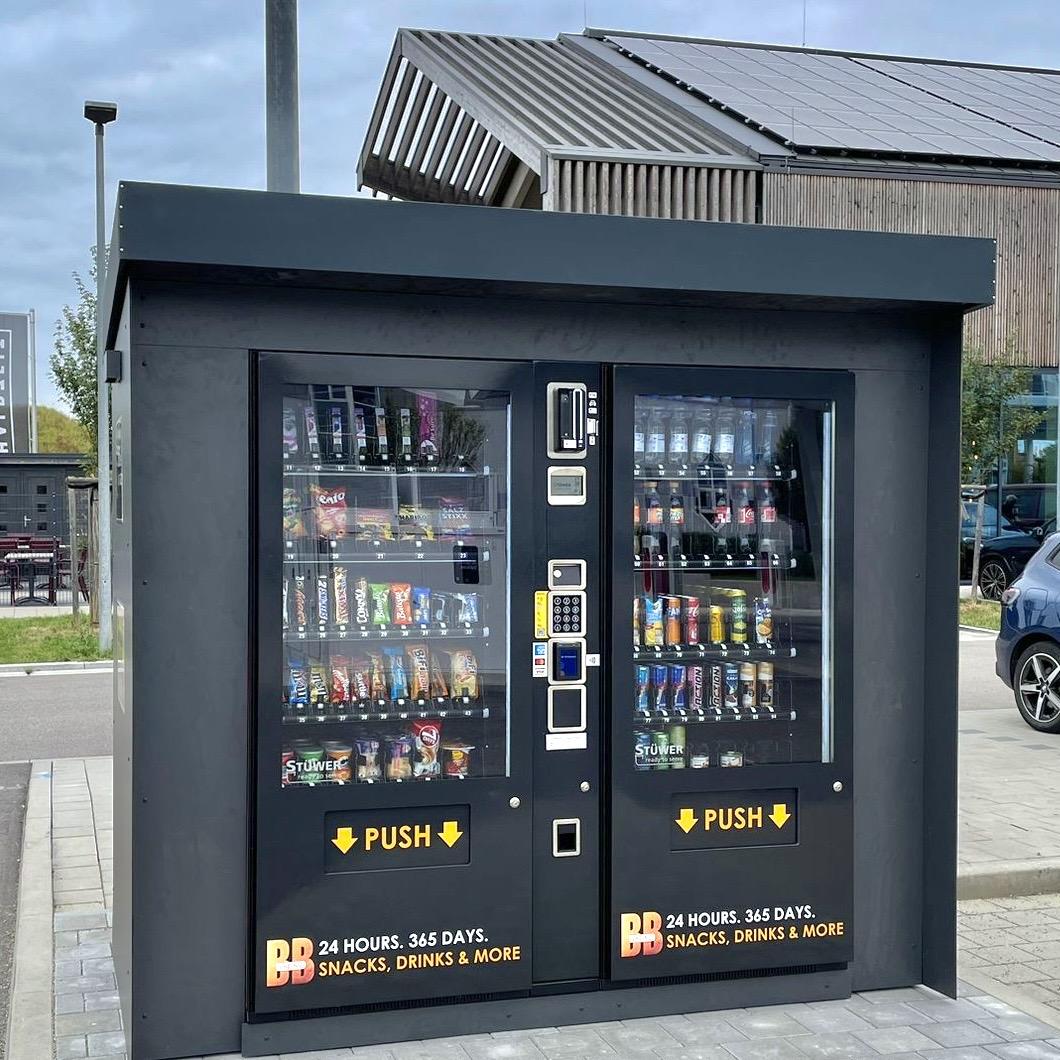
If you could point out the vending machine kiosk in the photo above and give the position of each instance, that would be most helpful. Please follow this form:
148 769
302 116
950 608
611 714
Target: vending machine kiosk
525 619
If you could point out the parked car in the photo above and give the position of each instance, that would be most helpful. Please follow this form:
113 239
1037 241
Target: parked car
1024 509
1028 645
1003 558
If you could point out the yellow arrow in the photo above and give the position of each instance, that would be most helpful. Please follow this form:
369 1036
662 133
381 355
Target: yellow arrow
780 815
686 820
344 839
450 833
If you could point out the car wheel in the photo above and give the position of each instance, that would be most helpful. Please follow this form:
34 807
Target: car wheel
993 579
1037 686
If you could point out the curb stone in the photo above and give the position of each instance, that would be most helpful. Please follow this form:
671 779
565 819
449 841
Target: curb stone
54 667
1009 879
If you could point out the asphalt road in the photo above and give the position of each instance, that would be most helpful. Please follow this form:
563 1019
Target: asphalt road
979 688
55 715
14 778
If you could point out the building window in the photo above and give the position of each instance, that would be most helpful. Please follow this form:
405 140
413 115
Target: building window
3 489
42 490
42 526
3 528
42 507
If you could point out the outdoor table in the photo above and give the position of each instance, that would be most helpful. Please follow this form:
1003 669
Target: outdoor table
27 563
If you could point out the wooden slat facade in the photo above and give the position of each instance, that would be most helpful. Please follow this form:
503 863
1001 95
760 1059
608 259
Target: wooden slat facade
1021 327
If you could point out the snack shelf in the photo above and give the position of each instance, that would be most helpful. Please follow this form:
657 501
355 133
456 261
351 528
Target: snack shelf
722 652
396 710
370 780
379 552
384 471
372 635
709 564
716 717
711 473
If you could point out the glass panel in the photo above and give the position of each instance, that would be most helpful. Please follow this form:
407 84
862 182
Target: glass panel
732 552
395 585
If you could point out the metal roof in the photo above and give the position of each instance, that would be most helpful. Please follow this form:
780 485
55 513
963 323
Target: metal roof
457 113
828 102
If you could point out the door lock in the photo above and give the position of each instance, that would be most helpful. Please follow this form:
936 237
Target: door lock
514 802
837 787
584 785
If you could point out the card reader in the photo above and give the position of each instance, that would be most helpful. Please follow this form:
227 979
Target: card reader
567 420
568 662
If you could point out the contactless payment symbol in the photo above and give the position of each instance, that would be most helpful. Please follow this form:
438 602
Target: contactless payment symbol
540 659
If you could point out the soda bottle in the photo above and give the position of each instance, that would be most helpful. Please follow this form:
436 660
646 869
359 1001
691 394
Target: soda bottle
745 439
655 441
725 435
640 425
767 512
745 519
651 539
702 435
676 516
767 439
723 524
677 451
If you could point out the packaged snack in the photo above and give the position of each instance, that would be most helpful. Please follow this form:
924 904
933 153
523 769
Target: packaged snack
375 524
340 679
286 594
427 408
653 622
290 770
463 677
318 686
361 602
298 686
290 431
301 605
382 448
467 608
399 675
421 605
368 768
419 670
311 429
337 761
360 680
440 608
456 759
399 758
439 684
342 600
452 517
401 603
380 603
309 762
323 600
293 524
336 430
362 434
376 676
329 507
426 743
405 434
414 523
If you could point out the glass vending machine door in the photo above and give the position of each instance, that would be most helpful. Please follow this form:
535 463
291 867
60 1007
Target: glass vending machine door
730 751
390 736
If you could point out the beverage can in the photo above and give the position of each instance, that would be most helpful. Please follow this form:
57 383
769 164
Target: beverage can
717 624
730 758
747 685
679 688
676 736
691 619
643 689
696 691
763 620
738 613
716 691
765 685
653 622
641 750
673 620
732 686
660 675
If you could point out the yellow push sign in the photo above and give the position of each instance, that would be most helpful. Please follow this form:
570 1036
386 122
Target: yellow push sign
396 838
726 819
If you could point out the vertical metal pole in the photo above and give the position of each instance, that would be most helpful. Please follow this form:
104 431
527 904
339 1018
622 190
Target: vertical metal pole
71 508
978 544
103 417
281 95
33 442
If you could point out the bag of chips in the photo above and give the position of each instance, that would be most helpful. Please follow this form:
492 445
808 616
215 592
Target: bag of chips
329 507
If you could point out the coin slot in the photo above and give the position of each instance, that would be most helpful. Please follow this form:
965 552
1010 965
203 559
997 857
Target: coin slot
566 837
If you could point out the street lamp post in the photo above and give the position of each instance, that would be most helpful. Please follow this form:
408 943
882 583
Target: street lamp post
101 114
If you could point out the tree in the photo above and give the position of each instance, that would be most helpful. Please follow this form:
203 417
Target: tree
990 424
59 433
73 361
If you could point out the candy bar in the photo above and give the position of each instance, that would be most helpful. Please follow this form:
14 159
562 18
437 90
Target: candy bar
399 676
380 603
401 603
419 670
463 673
427 408
290 431
342 602
340 679
421 606
376 675
293 523
361 602
323 600
301 605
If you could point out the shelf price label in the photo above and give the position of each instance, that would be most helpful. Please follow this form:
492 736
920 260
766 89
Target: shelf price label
720 819
406 837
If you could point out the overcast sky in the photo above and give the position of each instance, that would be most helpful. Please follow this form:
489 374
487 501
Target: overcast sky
188 79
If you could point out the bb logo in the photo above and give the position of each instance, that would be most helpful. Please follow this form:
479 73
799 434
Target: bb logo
288 962
641 934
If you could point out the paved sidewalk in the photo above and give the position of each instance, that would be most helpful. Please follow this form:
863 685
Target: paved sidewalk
69 844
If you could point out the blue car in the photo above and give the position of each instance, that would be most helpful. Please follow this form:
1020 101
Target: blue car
1028 646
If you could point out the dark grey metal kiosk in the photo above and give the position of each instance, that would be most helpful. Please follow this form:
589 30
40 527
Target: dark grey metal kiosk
525 619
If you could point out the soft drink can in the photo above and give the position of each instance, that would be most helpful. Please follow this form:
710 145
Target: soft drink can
695 689
738 605
660 749
679 688
676 737
691 619
732 685
653 622
765 685
763 620
643 689
747 685
716 693
660 676
641 750
673 620
717 624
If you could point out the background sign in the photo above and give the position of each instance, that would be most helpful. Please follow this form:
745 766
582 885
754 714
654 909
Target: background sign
15 405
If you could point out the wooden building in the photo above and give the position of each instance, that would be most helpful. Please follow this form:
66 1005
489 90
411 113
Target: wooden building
654 126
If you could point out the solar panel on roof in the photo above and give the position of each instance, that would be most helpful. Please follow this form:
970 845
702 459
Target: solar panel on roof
886 105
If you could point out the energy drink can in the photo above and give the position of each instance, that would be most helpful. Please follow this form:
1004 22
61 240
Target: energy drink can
716 688
747 685
763 620
679 688
653 623
717 624
696 690
660 679
691 619
643 689
673 620
732 686
765 685
738 612
660 749
676 736
641 750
